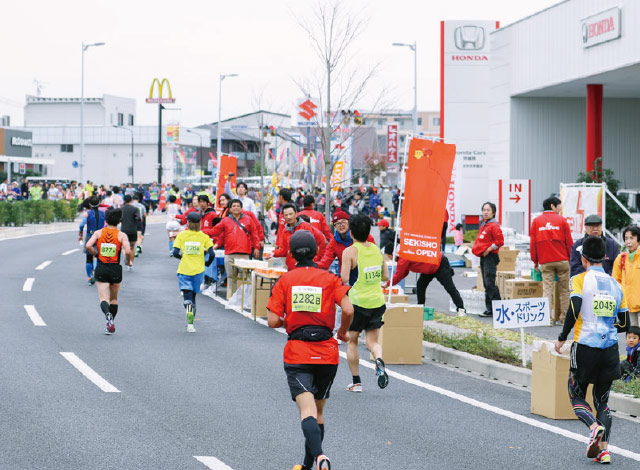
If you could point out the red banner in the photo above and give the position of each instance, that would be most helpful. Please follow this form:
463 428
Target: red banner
227 176
392 143
427 181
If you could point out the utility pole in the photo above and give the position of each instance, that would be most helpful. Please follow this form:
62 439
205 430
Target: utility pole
160 108
327 149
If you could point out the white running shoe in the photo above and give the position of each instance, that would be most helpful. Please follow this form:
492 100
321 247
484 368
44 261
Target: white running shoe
128 268
191 328
354 388
462 312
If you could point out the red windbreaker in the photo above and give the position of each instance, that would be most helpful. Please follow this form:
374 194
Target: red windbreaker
234 239
551 239
206 221
285 236
405 266
335 249
489 234
318 222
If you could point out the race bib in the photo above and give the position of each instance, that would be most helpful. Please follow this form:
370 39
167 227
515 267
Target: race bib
107 250
191 248
604 305
373 275
306 299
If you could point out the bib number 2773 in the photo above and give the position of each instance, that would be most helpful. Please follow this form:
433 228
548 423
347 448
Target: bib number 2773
306 299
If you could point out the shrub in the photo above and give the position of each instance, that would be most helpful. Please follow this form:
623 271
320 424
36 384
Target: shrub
19 213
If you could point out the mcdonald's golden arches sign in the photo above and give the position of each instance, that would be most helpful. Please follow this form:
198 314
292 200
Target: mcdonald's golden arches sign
160 98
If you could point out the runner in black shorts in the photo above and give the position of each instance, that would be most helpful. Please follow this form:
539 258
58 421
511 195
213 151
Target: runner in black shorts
131 221
106 244
303 301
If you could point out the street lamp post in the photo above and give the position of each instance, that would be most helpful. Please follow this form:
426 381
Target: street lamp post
414 48
219 141
84 48
130 130
199 155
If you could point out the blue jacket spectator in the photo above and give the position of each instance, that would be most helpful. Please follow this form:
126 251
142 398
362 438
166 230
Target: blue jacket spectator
593 227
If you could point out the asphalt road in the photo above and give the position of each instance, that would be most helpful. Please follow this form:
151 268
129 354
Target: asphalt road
221 393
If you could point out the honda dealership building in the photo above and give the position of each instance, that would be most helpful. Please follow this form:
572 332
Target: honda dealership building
541 99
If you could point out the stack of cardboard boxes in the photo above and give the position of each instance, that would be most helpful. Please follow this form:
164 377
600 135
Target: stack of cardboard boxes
401 335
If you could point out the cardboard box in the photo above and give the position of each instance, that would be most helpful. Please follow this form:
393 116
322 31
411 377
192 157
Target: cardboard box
397 299
521 289
549 394
507 259
401 335
259 298
480 284
501 277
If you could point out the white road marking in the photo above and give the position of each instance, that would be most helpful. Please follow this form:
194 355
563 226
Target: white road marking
487 407
75 229
89 373
43 265
28 284
70 251
212 463
34 316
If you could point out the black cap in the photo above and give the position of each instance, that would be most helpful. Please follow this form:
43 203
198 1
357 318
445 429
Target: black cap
594 249
303 245
593 219
193 217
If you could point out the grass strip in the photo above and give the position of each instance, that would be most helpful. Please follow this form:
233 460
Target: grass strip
469 323
628 388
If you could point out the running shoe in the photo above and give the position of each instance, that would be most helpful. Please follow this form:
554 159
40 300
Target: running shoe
462 312
383 378
191 328
354 388
109 328
595 437
190 314
128 268
322 463
603 457
486 314
138 250
90 281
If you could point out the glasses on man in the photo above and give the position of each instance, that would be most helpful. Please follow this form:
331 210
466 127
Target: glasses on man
341 222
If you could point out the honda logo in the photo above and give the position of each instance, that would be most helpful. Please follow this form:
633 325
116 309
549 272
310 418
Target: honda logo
469 38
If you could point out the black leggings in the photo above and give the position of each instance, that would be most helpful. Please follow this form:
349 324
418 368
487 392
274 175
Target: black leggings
577 394
444 275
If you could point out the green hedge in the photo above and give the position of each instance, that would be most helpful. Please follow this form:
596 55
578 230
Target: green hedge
19 213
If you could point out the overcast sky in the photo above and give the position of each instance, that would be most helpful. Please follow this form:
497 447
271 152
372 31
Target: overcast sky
192 41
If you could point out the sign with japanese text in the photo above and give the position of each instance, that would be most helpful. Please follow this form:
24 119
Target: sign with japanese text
338 175
173 134
392 143
515 196
521 313
427 180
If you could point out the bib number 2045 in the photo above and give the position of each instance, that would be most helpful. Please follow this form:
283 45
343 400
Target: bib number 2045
306 299
604 305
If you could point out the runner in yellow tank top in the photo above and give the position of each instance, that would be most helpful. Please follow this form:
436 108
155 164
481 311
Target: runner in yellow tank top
365 269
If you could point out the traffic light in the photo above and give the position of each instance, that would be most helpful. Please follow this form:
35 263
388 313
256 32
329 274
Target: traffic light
357 119
272 131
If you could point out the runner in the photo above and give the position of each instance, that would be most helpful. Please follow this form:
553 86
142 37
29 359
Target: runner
340 241
92 219
303 301
599 311
364 268
173 224
190 248
137 201
131 225
109 241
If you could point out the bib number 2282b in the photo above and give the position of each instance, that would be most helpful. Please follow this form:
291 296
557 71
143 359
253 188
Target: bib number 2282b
306 299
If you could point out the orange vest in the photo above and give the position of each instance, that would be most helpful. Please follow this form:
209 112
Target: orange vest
108 246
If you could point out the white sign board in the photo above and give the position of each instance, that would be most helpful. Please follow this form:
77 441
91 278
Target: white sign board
578 202
515 196
307 112
521 313
601 27
465 94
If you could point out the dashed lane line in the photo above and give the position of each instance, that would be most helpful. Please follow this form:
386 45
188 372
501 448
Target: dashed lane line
212 463
34 316
70 251
40 267
28 284
89 373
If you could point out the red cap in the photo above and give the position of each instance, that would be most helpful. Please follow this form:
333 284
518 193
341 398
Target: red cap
383 223
339 215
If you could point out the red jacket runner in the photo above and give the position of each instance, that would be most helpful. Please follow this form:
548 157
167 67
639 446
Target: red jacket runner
335 249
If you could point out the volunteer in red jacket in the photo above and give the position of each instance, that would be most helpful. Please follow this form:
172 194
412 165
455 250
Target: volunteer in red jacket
239 236
442 271
550 248
339 242
316 219
292 225
487 245
303 301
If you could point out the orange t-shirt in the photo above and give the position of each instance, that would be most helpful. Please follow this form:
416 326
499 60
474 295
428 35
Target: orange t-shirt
308 296
108 246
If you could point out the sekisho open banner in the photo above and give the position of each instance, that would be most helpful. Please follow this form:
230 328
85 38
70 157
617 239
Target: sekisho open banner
521 313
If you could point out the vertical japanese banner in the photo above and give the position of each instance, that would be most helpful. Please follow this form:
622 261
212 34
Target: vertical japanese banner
392 143
227 164
580 201
427 181
337 176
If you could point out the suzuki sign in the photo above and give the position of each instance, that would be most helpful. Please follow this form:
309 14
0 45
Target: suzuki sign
602 27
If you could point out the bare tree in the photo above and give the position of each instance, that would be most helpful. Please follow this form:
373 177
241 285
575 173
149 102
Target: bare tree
332 31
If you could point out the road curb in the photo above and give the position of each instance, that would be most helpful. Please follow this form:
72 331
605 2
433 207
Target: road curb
30 230
512 374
